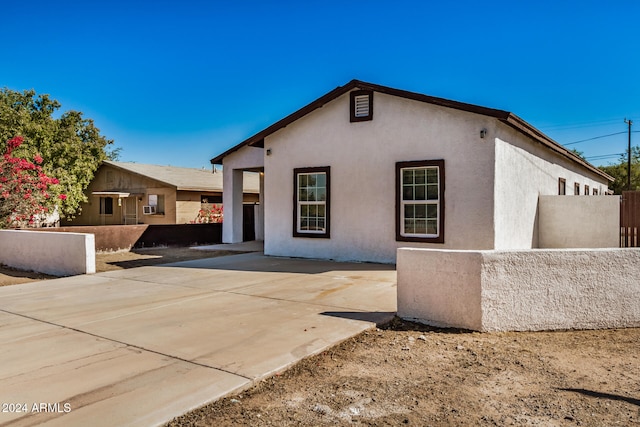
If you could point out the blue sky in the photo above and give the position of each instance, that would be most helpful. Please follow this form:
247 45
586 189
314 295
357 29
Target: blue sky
179 82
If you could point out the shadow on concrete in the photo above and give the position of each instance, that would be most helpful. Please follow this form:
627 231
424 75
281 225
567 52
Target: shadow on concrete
377 317
601 395
259 262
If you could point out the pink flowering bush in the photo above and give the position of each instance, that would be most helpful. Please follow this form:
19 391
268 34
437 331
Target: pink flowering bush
25 190
214 214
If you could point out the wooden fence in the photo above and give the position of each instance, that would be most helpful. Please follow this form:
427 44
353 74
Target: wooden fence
630 219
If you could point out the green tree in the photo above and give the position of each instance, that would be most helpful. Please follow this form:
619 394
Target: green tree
619 171
70 145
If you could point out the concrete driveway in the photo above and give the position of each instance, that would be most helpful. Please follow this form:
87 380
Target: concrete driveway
141 346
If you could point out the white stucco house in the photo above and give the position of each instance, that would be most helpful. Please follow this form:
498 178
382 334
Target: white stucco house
366 169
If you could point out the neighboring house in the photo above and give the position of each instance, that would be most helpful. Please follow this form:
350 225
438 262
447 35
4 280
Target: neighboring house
366 169
132 193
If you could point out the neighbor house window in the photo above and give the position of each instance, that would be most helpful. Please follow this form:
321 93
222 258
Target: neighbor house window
586 190
361 105
106 206
311 202
420 201
562 186
576 189
156 201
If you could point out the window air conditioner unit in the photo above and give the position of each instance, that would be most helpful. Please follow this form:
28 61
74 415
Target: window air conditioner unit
148 210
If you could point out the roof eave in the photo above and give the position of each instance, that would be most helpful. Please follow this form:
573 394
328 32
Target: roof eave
527 129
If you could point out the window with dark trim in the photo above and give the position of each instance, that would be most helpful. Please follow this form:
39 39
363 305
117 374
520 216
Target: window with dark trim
361 105
595 192
106 206
576 189
311 202
420 201
586 190
562 186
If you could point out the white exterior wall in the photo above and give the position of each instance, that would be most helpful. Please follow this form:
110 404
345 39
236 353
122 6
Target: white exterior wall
232 193
524 170
362 157
579 222
520 290
58 254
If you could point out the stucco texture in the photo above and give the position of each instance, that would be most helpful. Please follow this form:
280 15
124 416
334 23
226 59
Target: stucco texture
58 254
520 290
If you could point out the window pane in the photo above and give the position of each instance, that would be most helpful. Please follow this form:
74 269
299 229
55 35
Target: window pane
321 194
432 175
321 210
311 180
407 192
407 176
432 192
409 211
304 210
421 211
409 226
304 224
420 192
322 180
313 211
303 195
321 224
302 181
311 195
432 226
420 176
420 227
432 211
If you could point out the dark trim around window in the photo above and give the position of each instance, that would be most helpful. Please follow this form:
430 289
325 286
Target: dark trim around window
562 186
352 105
296 172
418 164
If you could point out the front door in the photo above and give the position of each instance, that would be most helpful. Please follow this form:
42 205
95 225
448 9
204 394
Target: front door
248 223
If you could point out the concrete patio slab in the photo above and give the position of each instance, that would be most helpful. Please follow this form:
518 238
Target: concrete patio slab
141 346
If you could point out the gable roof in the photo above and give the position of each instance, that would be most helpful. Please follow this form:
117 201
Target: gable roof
506 117
185 179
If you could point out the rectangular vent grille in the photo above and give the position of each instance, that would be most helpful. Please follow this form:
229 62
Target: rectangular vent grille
362 106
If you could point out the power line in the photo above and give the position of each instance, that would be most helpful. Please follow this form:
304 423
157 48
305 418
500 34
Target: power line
580 125
595 137
604 156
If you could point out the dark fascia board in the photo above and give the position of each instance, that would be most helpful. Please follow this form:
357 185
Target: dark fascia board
512 120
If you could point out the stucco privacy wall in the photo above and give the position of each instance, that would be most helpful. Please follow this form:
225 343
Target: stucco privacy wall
520 290
579 222
362 157
58 254
523 171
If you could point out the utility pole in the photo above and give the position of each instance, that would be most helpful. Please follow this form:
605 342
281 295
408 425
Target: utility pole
629 122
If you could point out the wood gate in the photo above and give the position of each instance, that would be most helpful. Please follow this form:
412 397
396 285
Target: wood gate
630 219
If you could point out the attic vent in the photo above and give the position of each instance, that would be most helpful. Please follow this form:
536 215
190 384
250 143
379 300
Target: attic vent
361 105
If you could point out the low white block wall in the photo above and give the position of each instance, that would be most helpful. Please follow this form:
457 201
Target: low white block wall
579 221
528 290
58 254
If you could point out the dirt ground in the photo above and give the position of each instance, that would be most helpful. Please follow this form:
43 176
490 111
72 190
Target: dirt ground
410 374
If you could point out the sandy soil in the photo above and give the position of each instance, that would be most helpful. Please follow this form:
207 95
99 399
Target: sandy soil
409 374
